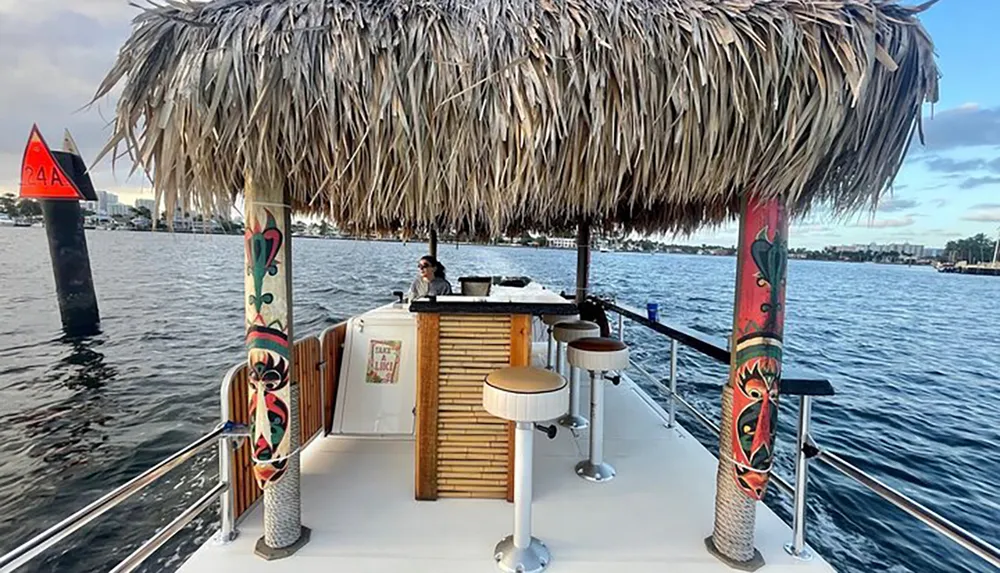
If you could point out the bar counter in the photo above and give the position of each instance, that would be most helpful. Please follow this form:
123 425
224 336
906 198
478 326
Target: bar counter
462 450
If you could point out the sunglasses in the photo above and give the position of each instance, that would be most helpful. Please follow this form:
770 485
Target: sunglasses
423 266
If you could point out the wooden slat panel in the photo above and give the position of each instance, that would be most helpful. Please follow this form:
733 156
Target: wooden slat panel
520 355
427 414
300 374
307 373
245 490
333 351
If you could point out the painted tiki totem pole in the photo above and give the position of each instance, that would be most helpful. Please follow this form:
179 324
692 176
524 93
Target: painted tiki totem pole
273 395
750 397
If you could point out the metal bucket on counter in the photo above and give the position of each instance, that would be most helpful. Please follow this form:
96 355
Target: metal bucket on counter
476 286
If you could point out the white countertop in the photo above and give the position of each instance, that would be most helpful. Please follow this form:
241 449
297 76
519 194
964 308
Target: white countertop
533 293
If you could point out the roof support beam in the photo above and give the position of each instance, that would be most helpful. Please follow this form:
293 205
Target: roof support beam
582 260
750 397
274 393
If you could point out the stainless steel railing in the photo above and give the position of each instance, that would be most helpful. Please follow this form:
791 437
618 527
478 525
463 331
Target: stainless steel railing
959 535
807 449
224 436
167 533
221 435
710 425
227 512
48 538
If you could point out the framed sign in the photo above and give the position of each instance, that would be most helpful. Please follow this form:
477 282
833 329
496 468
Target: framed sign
383 362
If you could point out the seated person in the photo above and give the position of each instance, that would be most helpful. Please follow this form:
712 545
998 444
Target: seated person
431 280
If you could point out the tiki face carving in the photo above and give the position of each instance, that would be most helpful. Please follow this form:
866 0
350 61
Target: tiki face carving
755 375
756 389
268 347
268 427
267 369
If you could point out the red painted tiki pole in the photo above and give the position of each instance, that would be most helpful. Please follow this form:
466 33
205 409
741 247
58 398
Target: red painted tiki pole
273 395
750 398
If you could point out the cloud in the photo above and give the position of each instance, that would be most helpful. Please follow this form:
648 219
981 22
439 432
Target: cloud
943 164
963 126
54 58
949 165
105 11
943 233
938 203
974 182
896 205
987 213
906 221
985 206
813 230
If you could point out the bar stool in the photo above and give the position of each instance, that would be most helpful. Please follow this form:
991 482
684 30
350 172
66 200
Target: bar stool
597 355
525 395
550 321
564 333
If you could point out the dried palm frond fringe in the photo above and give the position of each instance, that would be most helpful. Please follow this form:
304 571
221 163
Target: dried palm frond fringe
493 116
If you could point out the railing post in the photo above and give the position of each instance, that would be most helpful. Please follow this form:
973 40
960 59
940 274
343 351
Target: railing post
227 514
797 548
227 527
621 327
322 388
672 403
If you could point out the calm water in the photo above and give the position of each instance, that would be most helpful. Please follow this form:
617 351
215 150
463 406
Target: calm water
914 356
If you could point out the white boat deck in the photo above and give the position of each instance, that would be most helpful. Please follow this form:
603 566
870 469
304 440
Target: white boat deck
357 498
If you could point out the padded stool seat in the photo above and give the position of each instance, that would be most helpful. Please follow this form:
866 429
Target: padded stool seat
598 355
525 394
550 321
566 332
570 330
554 319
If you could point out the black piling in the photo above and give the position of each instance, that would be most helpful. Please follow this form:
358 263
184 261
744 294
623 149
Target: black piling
71 267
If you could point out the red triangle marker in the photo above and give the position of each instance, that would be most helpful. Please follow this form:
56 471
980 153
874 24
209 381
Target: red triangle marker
41 176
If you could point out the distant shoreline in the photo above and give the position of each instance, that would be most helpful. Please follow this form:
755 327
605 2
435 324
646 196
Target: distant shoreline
708 251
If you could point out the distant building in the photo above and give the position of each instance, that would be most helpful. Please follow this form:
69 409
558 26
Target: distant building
116 209
147 203
562 242
210 226
905 249
104 202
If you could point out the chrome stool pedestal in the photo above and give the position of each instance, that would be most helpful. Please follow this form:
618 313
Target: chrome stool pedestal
551 320
520 552
597 355
565 333
524 395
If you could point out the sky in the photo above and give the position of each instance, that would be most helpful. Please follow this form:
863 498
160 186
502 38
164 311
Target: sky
53 54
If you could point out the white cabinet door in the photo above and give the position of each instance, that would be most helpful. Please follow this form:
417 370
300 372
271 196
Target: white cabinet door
378 380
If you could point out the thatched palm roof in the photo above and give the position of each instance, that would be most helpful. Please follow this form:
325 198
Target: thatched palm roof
503 114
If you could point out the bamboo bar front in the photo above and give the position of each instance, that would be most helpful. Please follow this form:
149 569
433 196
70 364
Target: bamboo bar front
462 450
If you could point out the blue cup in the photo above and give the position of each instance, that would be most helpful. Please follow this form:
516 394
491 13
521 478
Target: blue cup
653 311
